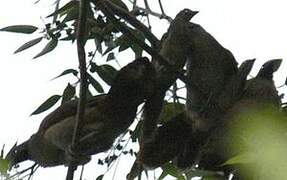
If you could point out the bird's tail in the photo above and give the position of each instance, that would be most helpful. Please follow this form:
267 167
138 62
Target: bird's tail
17 154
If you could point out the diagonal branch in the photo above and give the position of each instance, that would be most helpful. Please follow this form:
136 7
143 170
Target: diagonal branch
81 30
107 8
133 21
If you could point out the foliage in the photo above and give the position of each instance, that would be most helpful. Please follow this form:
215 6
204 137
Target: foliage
109 40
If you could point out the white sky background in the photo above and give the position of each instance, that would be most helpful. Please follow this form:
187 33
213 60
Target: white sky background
249 28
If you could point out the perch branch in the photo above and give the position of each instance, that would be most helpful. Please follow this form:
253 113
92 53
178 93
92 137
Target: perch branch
161 16
104 7
81 30
132 20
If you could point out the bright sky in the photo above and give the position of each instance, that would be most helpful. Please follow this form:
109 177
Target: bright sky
249 28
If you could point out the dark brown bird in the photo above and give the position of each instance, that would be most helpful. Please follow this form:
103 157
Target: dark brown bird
174 48
259 98
209 68
107 116
262 89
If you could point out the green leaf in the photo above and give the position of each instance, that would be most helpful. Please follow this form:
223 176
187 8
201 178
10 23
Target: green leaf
136 134
286 81
106 72
28 44
171 110
169 169
68 71
26 29
72 14
111 56
95 84
48 48
51 101
98 44
68 93
241 159
100 177
109 49
202 173
65 9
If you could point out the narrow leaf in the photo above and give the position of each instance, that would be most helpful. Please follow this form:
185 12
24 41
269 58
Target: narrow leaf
68 93
28 44
286 81
95 84
100 177
107 73
68 71
63 10
240 159
26 29
111 56
48 48
47 104
72 14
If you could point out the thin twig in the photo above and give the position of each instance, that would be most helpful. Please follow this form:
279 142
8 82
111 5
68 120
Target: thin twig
161 16
161 8
23 171
82 172
146 5
134 4
55 17
81 30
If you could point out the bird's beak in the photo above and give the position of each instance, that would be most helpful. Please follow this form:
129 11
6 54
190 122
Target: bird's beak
194 13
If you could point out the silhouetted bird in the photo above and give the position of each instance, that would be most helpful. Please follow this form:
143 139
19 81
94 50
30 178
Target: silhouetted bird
174 48
209 67
259 99
106 117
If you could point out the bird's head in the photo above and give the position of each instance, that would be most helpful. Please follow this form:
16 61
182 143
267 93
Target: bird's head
186 14
269 68
135 81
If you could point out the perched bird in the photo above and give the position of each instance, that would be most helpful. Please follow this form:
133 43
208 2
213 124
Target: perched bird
174 48
259 102
164 146
233 89
106 117
262 89
166 143
209 67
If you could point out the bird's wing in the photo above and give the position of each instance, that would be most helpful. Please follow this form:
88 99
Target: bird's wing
66 110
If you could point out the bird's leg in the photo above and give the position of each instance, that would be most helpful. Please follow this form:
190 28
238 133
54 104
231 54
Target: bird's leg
78 154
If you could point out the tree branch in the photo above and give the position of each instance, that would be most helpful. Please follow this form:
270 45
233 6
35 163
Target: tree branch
149 11
105 6
81 31
131 20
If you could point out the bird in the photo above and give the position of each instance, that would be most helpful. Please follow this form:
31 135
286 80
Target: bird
262 89
209 67
173 48
106 117
233 89
164 146
258 100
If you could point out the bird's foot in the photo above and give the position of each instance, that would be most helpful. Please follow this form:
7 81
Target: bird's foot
75 158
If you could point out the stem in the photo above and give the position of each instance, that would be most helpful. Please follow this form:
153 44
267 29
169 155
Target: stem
81 30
